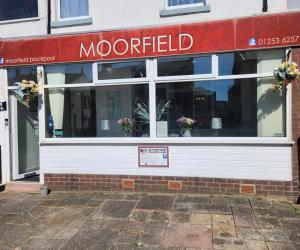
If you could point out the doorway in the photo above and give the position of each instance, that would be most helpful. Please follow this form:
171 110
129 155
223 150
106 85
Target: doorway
24 131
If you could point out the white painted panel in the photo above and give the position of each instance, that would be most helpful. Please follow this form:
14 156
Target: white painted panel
243 162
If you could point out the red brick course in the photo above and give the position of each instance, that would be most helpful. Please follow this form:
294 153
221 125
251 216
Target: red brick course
162 184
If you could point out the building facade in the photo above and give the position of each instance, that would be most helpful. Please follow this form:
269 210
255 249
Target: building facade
150 95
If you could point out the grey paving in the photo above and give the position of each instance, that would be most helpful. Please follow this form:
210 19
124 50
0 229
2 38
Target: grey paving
146 221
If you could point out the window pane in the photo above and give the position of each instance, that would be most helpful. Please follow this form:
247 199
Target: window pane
122 70
250 62
225 108
69 74
18 74
184 2
73 8
18 9
184 66
97 111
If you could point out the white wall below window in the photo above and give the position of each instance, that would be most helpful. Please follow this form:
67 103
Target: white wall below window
218 161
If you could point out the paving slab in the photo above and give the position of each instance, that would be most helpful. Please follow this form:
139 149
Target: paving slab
186 235
180 218
239 201
228 244
201 219
256 245
99 239
268 223
274 235
116 209
42 244
223 226
249 234
158 215
279 246
157 202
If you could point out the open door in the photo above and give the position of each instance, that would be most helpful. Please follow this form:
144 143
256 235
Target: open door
24 139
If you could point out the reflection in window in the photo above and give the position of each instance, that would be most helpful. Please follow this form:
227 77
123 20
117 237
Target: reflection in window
69 74
95 111
122 70
228 108
18 74
249 62
18 9
184 66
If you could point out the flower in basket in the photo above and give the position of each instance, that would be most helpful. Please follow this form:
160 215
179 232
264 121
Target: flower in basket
26 90
127 125
285 74
186 125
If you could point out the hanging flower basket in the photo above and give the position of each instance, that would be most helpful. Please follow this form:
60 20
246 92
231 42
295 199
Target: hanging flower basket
27 92
285 74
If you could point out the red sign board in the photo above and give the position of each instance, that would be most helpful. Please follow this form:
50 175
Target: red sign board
276 30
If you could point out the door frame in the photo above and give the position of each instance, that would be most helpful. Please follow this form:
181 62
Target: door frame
4 138
14 141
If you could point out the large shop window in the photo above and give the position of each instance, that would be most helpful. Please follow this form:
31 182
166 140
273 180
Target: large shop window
225 108
222 95
106 111
73 8
18 9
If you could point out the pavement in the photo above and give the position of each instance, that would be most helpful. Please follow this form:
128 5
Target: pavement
146 221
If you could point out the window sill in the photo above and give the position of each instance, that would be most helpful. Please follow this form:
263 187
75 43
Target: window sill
182 140
23 20
71 23
184 11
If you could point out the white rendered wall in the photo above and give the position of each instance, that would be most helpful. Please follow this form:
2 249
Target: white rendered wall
19 28
115 14
224 161
4 136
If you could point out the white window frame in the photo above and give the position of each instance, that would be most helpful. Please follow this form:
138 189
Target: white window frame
213 74
98 82
59 18
183 5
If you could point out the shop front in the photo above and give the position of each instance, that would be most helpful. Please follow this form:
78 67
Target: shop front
175 108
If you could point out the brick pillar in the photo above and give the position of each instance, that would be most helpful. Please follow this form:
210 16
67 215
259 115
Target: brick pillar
295 129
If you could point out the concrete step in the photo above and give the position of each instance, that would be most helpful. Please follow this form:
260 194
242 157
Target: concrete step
23 186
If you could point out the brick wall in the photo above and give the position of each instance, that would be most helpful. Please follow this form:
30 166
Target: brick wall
92 182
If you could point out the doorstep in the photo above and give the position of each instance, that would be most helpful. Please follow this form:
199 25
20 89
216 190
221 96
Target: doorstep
23 186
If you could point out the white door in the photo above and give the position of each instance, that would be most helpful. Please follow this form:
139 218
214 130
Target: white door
24 129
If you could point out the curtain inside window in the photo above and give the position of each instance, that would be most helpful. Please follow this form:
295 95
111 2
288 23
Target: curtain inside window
270 104
56 75
73 8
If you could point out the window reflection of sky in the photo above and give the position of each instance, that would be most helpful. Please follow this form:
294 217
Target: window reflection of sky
220 87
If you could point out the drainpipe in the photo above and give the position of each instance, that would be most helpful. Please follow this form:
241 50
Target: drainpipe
49 17
265 6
